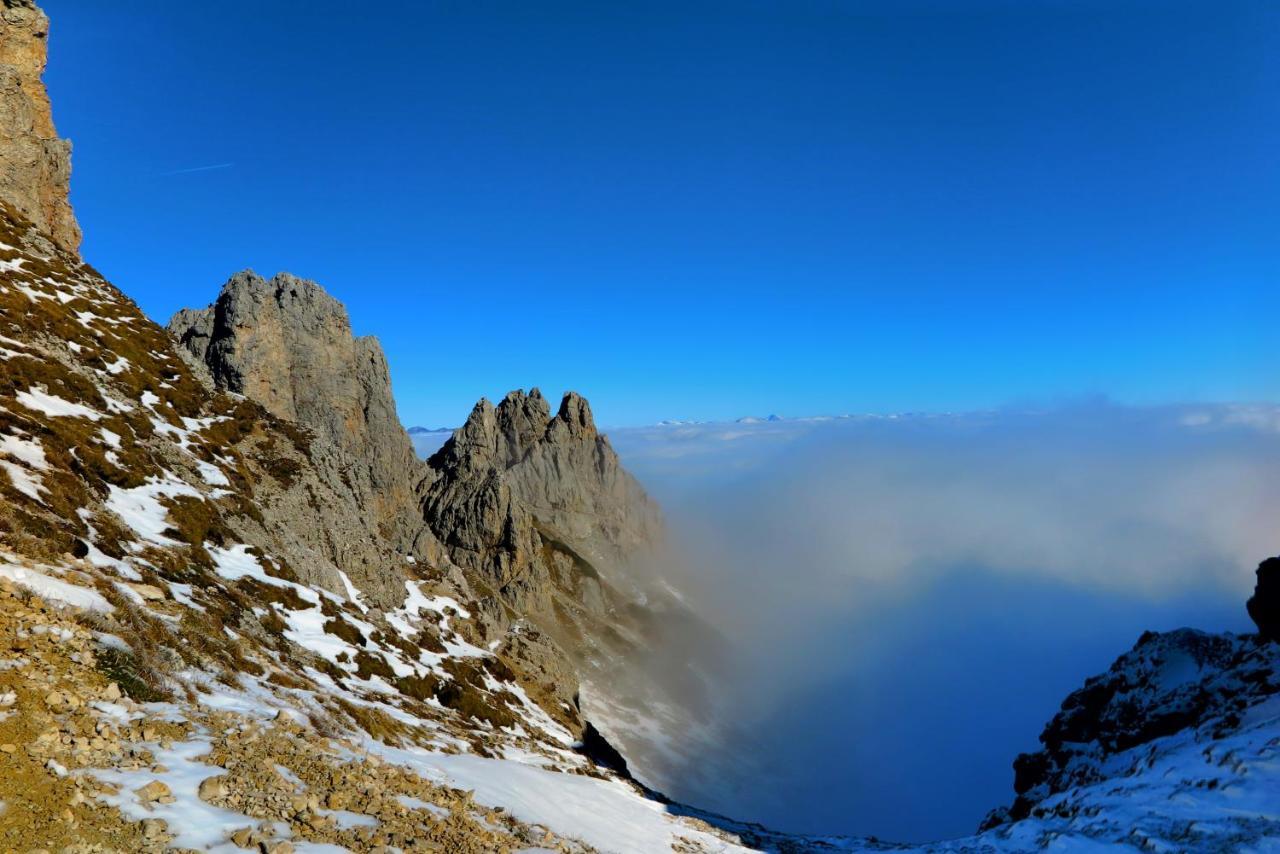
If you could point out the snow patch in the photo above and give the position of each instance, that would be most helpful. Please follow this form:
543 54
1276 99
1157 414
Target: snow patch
39 400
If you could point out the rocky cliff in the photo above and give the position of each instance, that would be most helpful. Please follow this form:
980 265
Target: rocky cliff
35 165
287 345
534 511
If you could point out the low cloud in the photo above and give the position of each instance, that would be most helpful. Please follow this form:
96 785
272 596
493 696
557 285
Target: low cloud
830 551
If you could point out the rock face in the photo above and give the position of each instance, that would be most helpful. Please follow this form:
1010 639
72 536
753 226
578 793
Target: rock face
541 507
1168 683
1264 605
287 345
533 513
35 165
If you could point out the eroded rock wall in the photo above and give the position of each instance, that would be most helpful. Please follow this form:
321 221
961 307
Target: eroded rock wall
35 164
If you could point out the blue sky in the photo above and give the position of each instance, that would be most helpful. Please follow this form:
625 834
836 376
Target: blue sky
707 209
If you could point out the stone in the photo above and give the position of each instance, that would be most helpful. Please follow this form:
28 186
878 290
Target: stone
149 592
153 791
212 788
111 693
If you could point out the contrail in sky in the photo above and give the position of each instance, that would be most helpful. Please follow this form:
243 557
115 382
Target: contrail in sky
198 169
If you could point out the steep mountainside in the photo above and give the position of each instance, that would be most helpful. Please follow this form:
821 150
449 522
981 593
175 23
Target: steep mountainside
236 613
532 513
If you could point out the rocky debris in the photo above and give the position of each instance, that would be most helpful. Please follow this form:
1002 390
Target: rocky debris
1168 683
1264 604
35 165
336 793
77 730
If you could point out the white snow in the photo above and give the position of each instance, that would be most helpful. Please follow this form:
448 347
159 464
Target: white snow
194 823
306 629
347 820
23 480
352 593
54 589
141 510
608 815
39 400
28 451
416 603
238 562
212 475
412 803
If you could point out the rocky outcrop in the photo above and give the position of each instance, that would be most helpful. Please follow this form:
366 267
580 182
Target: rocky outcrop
287 345
541 508
35 165
1171 682
1264 605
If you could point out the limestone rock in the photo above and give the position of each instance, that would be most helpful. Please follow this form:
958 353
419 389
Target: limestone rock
541 507
1167 683
153 791
35 165
287 345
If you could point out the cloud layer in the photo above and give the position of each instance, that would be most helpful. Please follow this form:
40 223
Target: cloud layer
1039 543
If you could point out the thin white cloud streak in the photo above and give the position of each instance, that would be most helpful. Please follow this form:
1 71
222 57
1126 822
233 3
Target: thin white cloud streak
211 167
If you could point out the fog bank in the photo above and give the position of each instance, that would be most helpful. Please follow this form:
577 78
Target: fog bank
908 599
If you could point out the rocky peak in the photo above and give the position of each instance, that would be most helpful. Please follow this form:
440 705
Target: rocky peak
287 345
35 165
573 421
522 420
541 505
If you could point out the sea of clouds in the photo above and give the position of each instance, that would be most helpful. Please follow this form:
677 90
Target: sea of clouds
905 600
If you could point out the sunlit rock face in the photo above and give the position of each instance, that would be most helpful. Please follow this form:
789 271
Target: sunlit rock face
35 165
287 345
541 507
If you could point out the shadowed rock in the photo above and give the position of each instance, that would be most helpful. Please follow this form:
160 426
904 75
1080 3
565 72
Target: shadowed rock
1264 605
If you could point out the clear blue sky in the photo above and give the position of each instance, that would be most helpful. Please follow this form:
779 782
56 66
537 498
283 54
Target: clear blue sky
707 209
